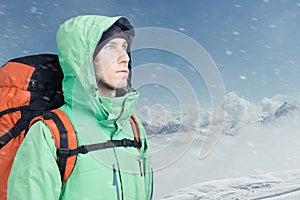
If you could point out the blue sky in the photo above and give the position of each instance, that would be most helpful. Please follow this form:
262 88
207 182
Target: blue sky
254 44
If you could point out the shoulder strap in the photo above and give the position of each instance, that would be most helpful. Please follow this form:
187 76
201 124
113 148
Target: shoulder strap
66 141
20 125
136 129
65 138
83 149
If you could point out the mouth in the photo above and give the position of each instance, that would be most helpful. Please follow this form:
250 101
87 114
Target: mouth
122 74
122 71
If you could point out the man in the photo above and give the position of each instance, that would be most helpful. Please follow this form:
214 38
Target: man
95 59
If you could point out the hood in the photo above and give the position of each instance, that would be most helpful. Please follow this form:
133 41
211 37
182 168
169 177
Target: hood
77 39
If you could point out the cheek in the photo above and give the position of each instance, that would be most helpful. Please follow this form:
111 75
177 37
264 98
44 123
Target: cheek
103 63
103 66
97 67
102 71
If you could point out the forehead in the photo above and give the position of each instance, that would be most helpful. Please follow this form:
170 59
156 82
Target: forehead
117 41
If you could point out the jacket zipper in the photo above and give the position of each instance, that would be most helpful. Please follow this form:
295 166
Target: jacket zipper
115 181
140 163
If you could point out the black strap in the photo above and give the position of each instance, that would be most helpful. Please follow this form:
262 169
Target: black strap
15 131
10 110
65 152
62 160
19 126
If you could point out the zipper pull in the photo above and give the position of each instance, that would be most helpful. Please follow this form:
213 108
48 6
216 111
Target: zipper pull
115 181
138 158
115 175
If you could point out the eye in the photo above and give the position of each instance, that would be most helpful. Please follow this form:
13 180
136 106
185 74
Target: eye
109 46
125 46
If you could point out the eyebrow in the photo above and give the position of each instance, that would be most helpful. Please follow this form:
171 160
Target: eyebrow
114 43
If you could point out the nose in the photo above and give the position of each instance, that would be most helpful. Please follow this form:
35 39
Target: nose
124 57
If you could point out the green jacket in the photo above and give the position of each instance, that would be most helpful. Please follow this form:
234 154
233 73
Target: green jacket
115 173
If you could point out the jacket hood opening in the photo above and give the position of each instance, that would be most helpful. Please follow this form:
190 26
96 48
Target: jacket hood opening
77 40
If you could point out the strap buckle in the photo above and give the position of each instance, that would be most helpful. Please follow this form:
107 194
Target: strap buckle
63 152
126 142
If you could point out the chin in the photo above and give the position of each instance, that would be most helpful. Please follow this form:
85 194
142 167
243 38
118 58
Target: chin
121 85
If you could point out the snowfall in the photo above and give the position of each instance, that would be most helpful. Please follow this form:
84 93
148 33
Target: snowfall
252 149
256 156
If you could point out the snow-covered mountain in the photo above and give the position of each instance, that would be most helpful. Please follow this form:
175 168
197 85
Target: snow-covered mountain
157 121
238 112
282 111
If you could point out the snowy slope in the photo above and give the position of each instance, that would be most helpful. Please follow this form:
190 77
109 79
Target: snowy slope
283 185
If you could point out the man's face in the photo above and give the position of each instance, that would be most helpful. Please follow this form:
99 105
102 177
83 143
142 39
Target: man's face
111 65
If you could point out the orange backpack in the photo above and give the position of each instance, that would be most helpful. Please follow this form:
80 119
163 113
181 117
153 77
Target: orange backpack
31 90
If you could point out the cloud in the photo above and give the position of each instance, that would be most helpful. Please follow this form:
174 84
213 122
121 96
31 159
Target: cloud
239 109
239 112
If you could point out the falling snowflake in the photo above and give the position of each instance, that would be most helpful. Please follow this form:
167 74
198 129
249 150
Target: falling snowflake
235 33
228 52
33 9
242 77
181 29
268 46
